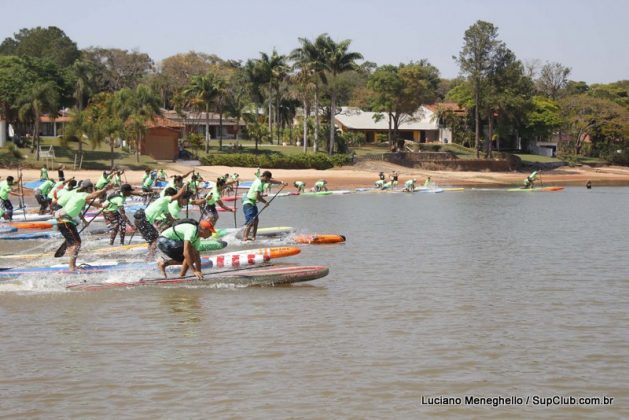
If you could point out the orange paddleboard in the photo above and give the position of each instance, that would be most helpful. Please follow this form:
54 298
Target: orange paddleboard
31 225
318 239
274 252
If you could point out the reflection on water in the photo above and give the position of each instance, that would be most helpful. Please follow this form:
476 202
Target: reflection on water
479 293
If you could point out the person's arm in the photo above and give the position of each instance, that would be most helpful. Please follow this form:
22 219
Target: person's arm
99 193
186 175
193 259
276 182
220 203
180 193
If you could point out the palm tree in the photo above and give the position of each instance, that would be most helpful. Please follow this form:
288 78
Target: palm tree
144 106
273 69
201 93
336 60
237 100
42 98
310 60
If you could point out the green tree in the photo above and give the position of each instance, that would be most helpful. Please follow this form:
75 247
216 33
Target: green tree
257 130
553 79
273 69
142 106
544 118
42 98
337 60
49 43
116 69
476 59
596 119
201 93
399 91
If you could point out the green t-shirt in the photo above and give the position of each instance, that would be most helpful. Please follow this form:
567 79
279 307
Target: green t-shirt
117 180
51 193
299 184
5 188
183 232
193 185
157 208
45 188
43 173
213 196
148 181
102 182
114 203
173 208
252 195
74 205
320 184
409 184
63 192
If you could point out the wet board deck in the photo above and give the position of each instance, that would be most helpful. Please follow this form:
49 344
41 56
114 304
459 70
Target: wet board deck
260 276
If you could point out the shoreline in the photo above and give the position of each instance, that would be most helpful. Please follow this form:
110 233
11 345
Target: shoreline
365 174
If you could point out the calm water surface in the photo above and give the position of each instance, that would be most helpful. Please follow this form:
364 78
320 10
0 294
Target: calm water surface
481 293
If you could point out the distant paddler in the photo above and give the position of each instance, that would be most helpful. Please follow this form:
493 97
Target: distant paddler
6 189
321 185
104 179
208 204
148 180
60 188
529 182
394 179
300 185
67 217
382 185
41 195
43 173
176 182
145 219
161 175
181 243
409 186
428 183
249 203
114 213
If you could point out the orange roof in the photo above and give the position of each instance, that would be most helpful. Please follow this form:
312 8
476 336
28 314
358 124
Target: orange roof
450 106
160 121
59 119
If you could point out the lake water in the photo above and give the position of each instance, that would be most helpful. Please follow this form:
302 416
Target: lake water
474 293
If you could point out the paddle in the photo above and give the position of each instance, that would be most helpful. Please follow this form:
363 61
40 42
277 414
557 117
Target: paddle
62 249
236 204
21 189
540 179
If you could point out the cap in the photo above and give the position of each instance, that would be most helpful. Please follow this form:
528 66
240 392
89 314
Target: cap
86 183
126 188
207 225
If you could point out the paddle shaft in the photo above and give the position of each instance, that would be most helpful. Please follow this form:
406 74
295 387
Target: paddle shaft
267 205
236 204
21 189
62 248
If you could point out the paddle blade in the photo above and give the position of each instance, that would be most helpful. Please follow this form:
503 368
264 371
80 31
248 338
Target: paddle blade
62 250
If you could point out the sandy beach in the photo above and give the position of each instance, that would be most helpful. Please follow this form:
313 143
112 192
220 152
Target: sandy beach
364 175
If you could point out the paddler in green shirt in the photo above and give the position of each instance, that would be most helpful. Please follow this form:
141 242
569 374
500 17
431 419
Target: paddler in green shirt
529 182
41 195
321 185
161 176
428 183
6 189
212 199
115 215
71 208
181 244
250 200
104 180
409 186
43 173
117 181
145 219
148 180
301 186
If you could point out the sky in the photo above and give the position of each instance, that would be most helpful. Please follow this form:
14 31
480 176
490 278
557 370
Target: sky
591 37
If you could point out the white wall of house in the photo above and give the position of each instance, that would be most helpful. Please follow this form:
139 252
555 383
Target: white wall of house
3 133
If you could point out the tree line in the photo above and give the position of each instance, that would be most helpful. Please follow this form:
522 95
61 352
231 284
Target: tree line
507 103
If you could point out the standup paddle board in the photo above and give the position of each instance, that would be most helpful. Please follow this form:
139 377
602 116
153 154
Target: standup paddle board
537 189
31 225
231 259
7 229
27 236
318 239
259 276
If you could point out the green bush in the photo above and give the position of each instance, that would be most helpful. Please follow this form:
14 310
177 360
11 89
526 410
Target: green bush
14 150
277 161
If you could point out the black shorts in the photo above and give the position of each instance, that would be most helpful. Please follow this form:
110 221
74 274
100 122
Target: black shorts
147 230
7 206
173 249
69 232
211 210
